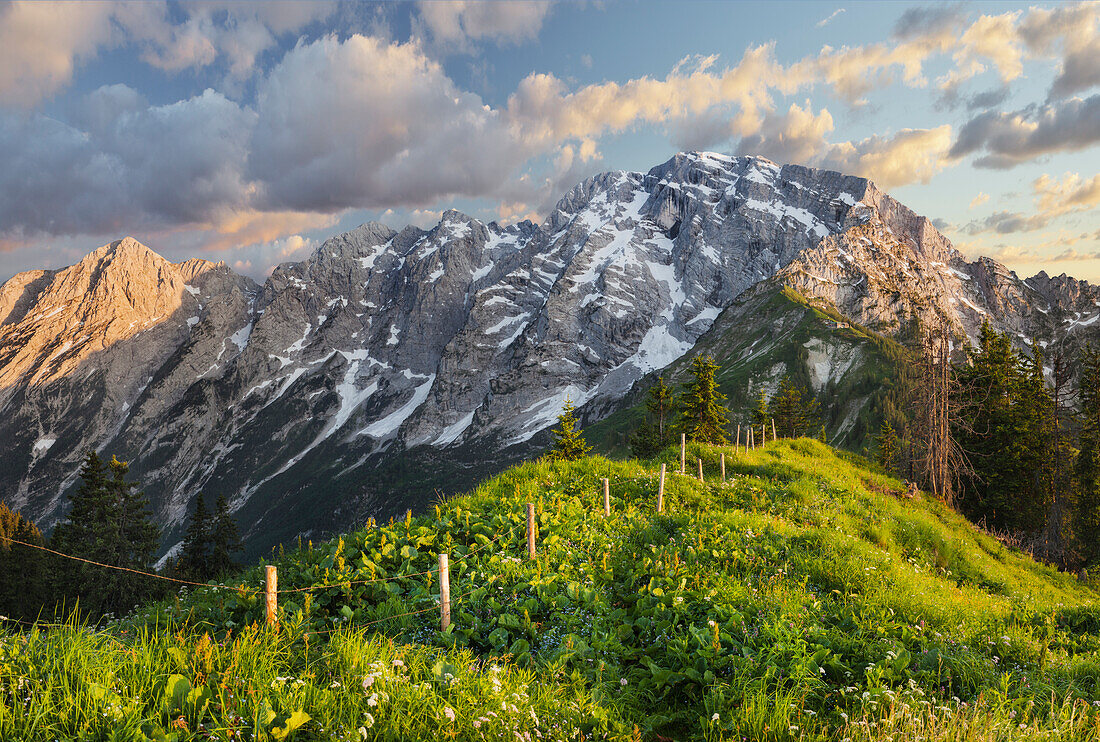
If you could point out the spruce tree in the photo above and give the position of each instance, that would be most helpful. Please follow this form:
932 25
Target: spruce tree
109 523
702 415
760 412
793 409
22 568
655 433
194 562
569 443
226 540
887 453
1003 429
1087 469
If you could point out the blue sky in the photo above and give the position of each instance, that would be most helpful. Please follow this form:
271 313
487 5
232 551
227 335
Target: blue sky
250 132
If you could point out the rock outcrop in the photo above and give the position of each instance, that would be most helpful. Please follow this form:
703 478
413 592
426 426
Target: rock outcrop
377 371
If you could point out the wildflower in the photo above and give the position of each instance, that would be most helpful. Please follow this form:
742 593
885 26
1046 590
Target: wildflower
715 717
398 663
373 700
622 681
368 682
449 713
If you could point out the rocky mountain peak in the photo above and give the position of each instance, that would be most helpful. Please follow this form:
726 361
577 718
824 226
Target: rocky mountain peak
452 346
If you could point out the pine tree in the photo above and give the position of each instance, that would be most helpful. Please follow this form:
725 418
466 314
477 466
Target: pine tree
109 523
655 433
760 412
226 540
659 404
702 415
793 409
195 559
1004 431
22 568
569 443
1087 468
887 447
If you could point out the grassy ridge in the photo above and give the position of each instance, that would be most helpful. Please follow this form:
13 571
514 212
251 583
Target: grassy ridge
803 599
763 337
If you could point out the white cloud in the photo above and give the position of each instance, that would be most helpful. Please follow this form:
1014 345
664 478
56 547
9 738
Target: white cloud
825 21
368 124
1053 199
455 25
799 136
1009 139
41 43
978 200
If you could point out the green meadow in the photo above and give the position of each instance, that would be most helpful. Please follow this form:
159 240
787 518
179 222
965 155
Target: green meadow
804 598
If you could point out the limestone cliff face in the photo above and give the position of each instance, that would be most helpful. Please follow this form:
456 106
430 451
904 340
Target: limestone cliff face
381 368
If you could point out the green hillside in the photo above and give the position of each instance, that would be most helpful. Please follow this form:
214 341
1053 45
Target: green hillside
805 598
772 331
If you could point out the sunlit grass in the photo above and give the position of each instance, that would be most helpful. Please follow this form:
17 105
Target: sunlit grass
805 598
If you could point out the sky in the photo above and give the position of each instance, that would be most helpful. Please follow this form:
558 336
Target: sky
250 132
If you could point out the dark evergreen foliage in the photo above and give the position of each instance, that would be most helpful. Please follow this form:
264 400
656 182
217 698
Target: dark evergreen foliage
702 414
22 568
888 448
569 443
1003 430
794 410
109 523
226 540
655 433
1087 469
195 555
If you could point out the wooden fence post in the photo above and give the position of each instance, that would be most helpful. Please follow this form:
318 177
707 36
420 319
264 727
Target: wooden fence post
530 530
774 436
271 585
444 592
606 496
683 451
661 491
737 445
722 463
700 470
752 437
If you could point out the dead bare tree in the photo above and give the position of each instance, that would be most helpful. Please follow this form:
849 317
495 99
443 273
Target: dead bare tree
939 460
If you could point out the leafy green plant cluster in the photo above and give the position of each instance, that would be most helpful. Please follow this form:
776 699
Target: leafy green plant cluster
804 598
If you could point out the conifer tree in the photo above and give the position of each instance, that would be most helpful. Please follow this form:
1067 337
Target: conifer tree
226 540
22 568
793 409
569 443
1087 469
1003 429
887 453
109 523
760 412
194 562
655 433
702 414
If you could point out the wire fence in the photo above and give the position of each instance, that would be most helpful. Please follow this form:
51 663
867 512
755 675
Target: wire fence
255 591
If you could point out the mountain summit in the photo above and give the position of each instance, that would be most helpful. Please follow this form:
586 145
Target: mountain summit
389 365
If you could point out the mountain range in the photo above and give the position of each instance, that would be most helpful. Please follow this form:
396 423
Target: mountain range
390 368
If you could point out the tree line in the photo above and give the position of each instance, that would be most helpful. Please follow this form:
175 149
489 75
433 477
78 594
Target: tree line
109 523
698 411
1009 439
